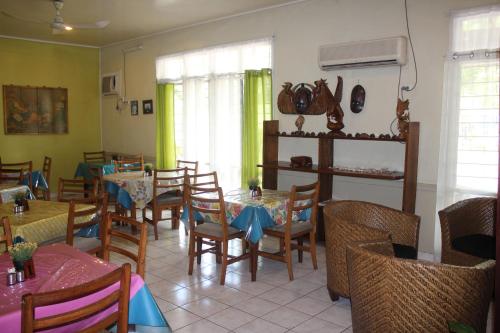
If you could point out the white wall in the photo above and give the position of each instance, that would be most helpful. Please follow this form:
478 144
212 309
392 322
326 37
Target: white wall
298 30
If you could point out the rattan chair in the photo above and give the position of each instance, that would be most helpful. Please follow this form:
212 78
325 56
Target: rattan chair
389 294
210 202
347 221
301 198
171 183
118 298
122 247
91 216
6 236
468 231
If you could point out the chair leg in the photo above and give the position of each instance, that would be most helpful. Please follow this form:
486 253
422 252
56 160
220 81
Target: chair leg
312 249
218 253
300 243
185 230
282 246
155 227
191 252
199 246
333 296
133 215
288 257
224 263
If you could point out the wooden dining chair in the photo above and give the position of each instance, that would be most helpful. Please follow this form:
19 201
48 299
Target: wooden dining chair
191 166
6 237
87 218
75 190
109 234
301 198
131 163
25 167
11 175
30 302
168 185
209 202
94 157
44 193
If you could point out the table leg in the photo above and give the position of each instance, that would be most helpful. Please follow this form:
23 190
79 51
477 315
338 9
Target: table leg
253 259
133 215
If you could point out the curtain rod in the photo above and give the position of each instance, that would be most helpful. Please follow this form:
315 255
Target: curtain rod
472 54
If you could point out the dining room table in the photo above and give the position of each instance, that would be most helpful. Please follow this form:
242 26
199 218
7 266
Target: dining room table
43 222
59 266
8 191
84 169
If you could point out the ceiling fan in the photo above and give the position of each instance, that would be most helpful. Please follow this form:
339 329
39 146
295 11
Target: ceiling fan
58 26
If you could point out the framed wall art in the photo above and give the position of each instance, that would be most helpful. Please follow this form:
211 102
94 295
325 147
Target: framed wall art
147 106
134 108
35 110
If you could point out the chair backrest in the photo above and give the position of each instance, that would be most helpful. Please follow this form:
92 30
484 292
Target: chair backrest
133 163
168 180
11 175
109 234
7 233
94 215
120 296
98 174
94 157
26 169
209 202
192 167
301 198
76 190
204 180
47 164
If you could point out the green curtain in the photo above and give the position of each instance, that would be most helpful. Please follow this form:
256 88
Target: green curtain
165 135
257 107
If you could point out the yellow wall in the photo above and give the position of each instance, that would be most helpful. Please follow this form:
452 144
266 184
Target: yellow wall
51 65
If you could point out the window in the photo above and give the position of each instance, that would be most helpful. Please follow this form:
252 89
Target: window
208 103
469 136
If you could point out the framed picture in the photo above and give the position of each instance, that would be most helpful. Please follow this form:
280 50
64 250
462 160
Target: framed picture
147 106
35 110
134 108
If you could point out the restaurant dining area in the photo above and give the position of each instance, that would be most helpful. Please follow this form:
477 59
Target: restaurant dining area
249 166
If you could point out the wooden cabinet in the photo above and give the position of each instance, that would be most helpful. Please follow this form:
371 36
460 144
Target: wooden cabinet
326 170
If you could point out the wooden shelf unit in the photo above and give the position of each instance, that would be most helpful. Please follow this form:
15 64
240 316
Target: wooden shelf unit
325 169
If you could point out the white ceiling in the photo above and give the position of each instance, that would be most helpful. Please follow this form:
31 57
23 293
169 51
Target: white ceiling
128 18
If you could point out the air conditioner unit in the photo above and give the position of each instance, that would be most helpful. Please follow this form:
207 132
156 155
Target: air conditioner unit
110 84
379 52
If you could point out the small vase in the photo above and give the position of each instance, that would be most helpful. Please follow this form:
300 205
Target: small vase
18 265
26 266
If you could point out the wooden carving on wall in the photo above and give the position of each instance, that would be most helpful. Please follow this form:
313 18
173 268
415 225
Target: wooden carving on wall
305 98
334 114
403 116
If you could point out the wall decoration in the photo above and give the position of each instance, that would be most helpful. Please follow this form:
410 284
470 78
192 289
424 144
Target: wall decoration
134 108
335 115
358 96
299 123
305 98
301 162
35 110
403 116
147 106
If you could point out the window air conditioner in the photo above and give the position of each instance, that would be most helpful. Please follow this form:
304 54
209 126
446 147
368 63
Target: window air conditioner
379 52
110 84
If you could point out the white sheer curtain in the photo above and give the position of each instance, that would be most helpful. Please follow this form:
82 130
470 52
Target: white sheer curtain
210 109
468 159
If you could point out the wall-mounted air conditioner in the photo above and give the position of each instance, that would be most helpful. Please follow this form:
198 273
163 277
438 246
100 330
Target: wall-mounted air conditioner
110 84
379 52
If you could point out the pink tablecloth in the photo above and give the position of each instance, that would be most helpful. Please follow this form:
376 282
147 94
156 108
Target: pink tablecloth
57 266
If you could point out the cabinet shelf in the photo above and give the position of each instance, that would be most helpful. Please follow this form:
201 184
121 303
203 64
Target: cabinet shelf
358 173
357 136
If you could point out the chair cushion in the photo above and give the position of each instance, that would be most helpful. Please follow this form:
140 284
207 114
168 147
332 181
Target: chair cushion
214 229
481 246
85 243
404 251
169 199
297 227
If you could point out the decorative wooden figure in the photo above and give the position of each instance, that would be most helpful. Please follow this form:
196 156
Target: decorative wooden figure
335 115
403 116
358 95
305 98
299 122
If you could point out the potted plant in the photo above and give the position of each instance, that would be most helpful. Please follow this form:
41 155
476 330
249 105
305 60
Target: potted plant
22 257
148 170
253 186
20 200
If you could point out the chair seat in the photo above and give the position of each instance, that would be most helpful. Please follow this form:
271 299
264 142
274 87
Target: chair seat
404 251
478 245
86 243
214 229
167 199
297 227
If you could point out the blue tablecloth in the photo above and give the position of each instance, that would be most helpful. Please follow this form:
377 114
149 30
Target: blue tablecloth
83 169
38 180
143 311
122 196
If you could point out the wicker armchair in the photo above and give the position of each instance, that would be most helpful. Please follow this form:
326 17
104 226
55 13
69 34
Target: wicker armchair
400 295
347 221
466 219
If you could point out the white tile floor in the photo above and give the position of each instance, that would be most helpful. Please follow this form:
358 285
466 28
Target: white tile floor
198 303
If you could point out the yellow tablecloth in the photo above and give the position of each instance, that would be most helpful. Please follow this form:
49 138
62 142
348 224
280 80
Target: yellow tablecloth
46 220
